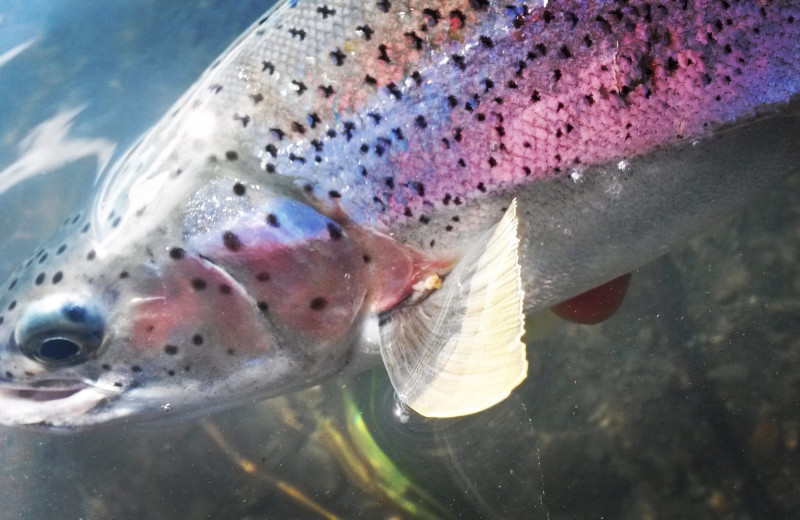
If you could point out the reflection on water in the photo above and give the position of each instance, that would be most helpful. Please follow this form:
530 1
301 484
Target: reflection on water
684 405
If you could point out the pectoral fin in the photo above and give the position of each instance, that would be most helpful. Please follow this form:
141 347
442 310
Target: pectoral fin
459 351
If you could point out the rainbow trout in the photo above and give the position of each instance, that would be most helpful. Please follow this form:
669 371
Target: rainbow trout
398 180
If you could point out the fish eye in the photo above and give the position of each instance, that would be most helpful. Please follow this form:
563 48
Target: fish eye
59 349
59 331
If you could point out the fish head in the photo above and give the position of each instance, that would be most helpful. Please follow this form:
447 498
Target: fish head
235 292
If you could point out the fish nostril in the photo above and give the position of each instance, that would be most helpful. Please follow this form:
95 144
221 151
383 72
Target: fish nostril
58 349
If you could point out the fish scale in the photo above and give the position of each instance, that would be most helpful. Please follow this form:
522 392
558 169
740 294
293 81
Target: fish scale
400 180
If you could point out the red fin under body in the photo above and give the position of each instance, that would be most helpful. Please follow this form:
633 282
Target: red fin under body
595 305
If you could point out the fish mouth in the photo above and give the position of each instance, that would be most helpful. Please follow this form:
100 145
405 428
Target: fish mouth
55 404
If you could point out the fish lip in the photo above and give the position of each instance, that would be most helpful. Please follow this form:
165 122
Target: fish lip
51 403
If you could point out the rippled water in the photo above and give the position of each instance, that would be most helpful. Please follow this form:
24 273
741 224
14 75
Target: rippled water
683 405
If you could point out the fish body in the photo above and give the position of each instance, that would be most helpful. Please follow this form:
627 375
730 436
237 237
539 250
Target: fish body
344 169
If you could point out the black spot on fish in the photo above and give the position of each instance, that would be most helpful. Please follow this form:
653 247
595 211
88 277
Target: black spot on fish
349 128
262 306
231 155
418 187
12 305
414 40
383 55
225 288
231 241
481 187
245 120
366 31
334 194
57 277
572 17
266 65
272 220
369 80
383 5
272 150
257 98
136 369
61 249
124 274
39 279
198 284
176 253
299 86
170 373
86 227
318 303
326 11
298 33
197 339
672 65
263 276
334 231
458 61
326 90
479 5
394 91
367 259
487 42
434 15
420 121
239 189
338 57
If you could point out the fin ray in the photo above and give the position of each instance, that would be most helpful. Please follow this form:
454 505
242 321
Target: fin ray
459 351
